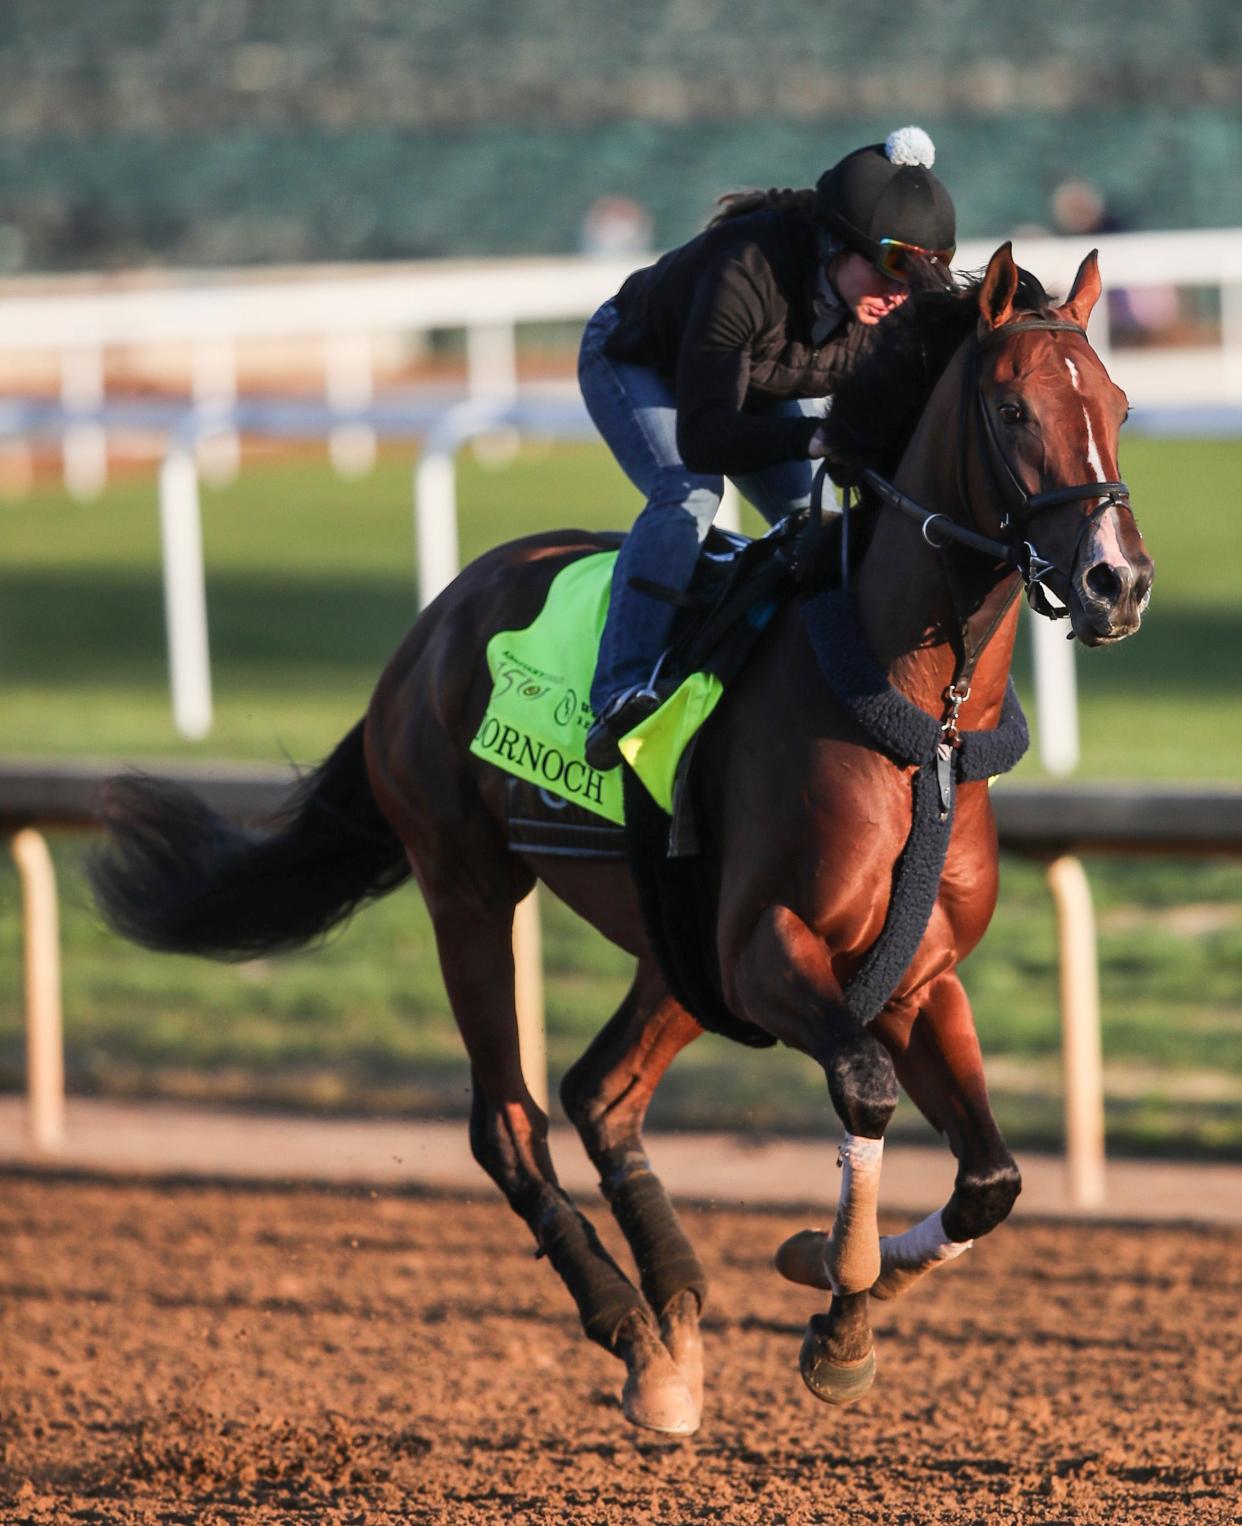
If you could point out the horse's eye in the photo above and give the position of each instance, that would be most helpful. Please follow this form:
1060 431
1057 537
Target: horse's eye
1011 412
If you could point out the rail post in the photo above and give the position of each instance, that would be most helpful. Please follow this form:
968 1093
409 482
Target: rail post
1056 697
84 444
349 380
45 1061
435 522
528 991
491 359
1080 1031
185 599
214 388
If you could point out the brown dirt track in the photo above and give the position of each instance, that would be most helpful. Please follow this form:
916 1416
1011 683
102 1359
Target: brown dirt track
221 1353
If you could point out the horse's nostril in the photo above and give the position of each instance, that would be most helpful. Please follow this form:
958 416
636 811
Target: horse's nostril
1103 583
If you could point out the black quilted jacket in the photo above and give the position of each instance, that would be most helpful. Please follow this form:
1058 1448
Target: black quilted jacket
727 318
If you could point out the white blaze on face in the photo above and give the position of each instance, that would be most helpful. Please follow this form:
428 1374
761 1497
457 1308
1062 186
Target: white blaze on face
1095 465
1107 542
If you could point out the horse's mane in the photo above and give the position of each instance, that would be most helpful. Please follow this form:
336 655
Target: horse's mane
878 404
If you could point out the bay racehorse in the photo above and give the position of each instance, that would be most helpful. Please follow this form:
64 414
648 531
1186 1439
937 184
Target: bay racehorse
986 404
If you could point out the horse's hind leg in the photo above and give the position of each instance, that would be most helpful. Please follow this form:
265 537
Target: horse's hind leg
508 1136
606 1095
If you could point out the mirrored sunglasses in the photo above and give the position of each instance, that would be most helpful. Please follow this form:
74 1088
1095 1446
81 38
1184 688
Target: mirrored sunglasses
894 257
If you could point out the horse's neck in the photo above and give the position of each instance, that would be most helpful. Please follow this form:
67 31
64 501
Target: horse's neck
905 604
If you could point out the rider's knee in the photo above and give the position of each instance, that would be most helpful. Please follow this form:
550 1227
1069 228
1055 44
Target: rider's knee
675 492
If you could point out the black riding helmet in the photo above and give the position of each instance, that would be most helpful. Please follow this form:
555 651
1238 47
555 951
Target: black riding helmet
884 197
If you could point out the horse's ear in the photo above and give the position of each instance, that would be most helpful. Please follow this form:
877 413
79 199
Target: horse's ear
1000 286
1084 293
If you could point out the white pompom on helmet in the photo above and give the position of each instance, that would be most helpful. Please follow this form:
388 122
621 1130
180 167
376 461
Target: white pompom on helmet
887 191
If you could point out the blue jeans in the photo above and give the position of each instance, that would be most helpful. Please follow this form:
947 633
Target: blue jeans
636 412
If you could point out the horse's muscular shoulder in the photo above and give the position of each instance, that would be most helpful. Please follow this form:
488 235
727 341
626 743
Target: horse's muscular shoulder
969 884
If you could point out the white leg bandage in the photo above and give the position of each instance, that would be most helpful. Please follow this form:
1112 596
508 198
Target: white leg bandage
853 1256
923 1246
905 1257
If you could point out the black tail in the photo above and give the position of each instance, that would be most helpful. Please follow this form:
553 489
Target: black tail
179 877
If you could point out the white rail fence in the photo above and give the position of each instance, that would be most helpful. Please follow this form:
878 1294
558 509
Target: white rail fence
346 309
1172 389
1048 824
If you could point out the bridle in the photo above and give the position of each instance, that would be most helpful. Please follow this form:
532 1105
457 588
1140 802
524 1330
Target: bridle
1018 507
1018 504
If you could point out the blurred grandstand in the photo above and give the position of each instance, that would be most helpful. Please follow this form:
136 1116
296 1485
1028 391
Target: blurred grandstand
227 132
207 200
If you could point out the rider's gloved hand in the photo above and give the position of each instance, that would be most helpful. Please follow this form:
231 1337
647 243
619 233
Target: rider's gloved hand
818 448
839 469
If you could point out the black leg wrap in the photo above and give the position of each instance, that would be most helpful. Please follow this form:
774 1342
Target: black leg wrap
666 1261
981 1200
602 1291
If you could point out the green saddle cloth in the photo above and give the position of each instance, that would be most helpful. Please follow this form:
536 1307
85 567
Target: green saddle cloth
537 719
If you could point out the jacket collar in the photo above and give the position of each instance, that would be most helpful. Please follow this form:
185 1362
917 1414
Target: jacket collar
830 313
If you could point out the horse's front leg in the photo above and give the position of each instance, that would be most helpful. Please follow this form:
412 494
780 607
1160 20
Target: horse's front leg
838 1353
938 1061
940 1064
783 982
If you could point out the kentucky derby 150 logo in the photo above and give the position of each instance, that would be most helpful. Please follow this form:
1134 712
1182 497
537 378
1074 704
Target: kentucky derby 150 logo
515 678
